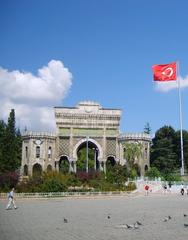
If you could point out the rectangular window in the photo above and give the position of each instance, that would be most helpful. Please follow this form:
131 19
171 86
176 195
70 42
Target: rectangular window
37 152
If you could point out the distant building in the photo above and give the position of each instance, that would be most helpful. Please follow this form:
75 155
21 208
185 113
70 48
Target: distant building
87 125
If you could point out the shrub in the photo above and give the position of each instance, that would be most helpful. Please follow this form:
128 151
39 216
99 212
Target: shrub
153 172
8 180
53 185
130 187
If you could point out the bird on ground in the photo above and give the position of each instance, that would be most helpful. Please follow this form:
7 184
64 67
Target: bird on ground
121 226
185 224
139 223
65 220
136 225
108 217
129 226
166 219
185 215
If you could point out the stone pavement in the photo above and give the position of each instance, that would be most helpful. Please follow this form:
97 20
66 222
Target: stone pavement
96 218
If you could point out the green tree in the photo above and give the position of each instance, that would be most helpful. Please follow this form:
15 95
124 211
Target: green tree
18 148
117 174
81 164
163 151
2 136
11 150
132 151
153 172
185 147
147 128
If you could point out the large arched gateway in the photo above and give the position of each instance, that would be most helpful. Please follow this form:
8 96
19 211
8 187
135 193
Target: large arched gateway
87 138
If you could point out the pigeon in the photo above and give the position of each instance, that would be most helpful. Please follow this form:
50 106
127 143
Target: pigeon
108 217
129 226
185 215
65 220
166 219
139 223
136 225
121 226
185 224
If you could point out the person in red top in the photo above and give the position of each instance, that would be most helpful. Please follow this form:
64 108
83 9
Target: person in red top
146 189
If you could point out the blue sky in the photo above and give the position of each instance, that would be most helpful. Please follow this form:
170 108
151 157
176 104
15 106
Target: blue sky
100 50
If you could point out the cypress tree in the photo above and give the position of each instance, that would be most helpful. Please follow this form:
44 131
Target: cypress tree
2 135
10 148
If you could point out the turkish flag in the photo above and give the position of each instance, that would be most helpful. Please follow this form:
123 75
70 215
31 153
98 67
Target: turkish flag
164 72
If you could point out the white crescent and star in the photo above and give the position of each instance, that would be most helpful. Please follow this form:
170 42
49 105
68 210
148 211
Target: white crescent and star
168 72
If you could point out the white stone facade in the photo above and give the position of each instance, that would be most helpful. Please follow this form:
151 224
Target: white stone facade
87 124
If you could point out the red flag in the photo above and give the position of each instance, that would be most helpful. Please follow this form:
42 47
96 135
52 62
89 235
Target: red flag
164 72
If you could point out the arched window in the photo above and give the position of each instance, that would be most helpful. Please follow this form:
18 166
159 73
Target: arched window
146 152
146 168
25 170
37 152
37 170
26 152
49 168
50 152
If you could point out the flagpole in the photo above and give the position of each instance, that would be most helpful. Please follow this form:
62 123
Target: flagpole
181 124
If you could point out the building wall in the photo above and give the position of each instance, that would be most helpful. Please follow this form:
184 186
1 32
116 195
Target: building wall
88 121
43 141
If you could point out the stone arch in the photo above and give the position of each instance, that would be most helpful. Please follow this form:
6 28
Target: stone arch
64 164
25 170
110 162
138 169
37 170
76 147
49 168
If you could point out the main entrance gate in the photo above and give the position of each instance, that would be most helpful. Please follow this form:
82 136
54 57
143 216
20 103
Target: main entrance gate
87 139
87 136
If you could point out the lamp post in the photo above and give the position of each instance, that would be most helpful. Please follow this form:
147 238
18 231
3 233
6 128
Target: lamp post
87 154
95 158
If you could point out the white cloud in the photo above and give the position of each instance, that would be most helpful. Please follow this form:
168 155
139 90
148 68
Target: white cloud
169 85
33 97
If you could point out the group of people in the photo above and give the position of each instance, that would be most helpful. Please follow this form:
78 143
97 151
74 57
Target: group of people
167 188
11 201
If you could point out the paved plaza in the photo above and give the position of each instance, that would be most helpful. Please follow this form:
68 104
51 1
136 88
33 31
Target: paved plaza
101 218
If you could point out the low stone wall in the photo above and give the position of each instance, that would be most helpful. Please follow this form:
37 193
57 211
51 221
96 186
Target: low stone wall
66 194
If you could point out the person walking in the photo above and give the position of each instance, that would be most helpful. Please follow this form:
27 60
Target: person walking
146 189
169 187
182 189
11 200
165 188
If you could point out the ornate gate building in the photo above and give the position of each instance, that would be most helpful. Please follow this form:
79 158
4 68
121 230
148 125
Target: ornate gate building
86 126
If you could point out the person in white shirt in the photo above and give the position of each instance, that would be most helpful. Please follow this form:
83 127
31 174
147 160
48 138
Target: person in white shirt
182 189
11 200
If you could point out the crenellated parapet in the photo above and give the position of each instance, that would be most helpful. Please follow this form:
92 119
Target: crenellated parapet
38 135
135 136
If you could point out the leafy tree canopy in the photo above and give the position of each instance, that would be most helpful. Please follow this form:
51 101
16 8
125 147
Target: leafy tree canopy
163 151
